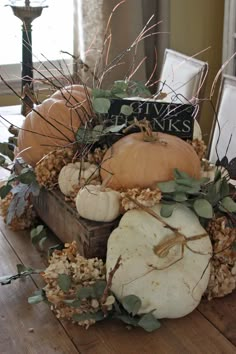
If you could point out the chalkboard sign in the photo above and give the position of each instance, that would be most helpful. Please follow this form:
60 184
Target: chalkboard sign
170 118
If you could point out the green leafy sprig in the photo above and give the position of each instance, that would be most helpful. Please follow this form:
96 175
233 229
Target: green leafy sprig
205 198
22 272
125 310
101 99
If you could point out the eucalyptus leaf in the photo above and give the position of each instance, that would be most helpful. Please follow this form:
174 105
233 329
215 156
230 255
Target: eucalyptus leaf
100 93
227 204
167 187
4 190
180 174
126 318
85 292
131 304
149 322
120 86
139 89
217 175
99 288
64 282
185 182
121 95
179 197
21 268
101 105
203 208
224 188
167 210
38 297
85 135
27 176
126 110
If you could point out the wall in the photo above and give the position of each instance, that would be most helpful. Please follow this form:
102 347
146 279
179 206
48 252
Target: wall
194 26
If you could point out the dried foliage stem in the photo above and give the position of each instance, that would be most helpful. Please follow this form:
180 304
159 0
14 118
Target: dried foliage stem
109 283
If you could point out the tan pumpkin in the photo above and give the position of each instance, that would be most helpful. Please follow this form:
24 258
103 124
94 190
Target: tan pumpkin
53 123
135 161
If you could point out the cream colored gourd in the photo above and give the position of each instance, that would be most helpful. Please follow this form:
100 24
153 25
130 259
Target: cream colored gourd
98 204
171 287
73 173
197 132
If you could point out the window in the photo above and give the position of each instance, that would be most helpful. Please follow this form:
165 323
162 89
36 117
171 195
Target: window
229 41
52 33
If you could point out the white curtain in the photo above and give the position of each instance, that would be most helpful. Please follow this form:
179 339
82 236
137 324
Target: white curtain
127 21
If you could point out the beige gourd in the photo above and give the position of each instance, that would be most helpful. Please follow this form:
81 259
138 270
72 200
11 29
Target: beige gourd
72 174
168 283
98 203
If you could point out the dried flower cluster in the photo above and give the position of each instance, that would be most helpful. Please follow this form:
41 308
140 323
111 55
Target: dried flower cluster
49 167
208 169
146 197
223 264
83 273
199 146
25 221
97 155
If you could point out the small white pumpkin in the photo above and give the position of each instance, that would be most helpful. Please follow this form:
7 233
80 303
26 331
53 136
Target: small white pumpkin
172 284
72 173
98 203
197 132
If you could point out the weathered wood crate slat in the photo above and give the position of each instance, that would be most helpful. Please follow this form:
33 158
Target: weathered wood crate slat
67 225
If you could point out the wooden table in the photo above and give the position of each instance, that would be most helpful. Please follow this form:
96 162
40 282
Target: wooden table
24 328
34 329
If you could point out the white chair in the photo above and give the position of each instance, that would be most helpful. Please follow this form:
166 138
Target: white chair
222 144
182 77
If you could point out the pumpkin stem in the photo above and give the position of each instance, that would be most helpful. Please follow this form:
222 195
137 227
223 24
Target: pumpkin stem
163 248
146 129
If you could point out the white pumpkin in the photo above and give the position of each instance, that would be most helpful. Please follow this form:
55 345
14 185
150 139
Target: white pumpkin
170 285
197 132
72 173
98 203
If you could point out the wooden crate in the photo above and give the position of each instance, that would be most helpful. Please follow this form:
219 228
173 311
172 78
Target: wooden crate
63 219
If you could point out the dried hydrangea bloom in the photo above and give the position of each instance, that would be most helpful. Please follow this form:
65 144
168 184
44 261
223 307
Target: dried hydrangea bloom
83 274
145 197
49 167
223 264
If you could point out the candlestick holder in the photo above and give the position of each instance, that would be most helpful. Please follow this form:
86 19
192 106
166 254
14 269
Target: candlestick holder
27 11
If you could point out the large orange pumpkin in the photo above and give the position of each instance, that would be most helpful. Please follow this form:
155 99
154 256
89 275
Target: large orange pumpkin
133 162
53 123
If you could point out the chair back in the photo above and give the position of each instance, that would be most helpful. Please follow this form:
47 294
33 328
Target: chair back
222 144
182 77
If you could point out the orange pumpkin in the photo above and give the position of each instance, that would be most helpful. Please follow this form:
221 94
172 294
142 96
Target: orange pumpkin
53 123
133 162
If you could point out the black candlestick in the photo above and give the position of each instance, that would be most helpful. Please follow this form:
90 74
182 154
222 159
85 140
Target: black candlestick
27 14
